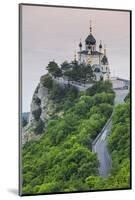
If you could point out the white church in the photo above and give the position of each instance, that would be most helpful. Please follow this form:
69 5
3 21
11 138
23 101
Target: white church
97 59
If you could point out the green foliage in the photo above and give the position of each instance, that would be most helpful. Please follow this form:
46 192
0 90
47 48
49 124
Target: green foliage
54 69
38 127
63 97
89 129
52 187
99 87
104 98
78 72
47 81
58 73
62 160
57 92
119 140
82 106
103 108
127 98
65 66
95 182
119 146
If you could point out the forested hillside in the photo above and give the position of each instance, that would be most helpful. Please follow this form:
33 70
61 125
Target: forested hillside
119 146
62 159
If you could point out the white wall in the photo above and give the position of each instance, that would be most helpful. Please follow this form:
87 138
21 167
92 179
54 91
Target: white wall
95 58
9 99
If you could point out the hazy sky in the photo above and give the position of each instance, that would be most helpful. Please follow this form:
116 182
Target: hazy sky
54 33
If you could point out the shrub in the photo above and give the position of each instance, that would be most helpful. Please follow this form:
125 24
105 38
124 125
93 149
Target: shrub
57 92
47 81
99 87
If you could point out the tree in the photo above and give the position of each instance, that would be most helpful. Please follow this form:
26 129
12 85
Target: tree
54 69
95 182
65 66
47 81
57 92
58 73
80 72
99 87
62 159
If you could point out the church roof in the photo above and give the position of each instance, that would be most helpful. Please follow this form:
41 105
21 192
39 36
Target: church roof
90 40
92 53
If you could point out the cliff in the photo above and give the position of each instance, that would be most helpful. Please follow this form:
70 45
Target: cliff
49 101
41 109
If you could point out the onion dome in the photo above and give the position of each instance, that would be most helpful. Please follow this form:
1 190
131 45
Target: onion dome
90 40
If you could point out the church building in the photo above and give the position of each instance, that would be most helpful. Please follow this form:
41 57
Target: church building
97 59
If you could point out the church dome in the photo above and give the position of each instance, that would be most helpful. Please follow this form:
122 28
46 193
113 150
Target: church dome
90 40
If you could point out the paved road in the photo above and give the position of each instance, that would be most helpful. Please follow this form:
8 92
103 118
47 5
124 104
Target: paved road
100 144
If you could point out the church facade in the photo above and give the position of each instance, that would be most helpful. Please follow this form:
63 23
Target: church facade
97 59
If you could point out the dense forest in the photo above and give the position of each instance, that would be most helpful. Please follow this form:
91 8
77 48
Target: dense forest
72 71
119 146
62 159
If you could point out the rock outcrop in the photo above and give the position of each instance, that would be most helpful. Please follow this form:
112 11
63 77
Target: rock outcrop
46 105
42 108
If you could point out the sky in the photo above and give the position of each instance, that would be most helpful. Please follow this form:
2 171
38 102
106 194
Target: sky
54 33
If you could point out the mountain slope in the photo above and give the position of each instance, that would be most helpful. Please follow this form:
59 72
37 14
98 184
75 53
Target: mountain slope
119 146
61 160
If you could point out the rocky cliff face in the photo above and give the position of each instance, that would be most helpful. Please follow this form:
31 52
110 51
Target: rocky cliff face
42 108
49 101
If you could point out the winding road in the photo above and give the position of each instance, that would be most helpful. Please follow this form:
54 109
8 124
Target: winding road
99 145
